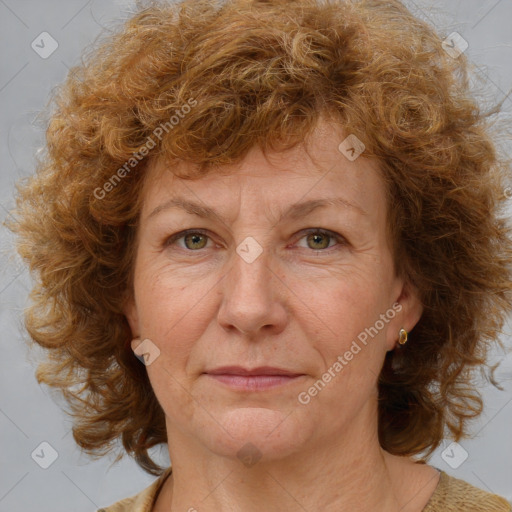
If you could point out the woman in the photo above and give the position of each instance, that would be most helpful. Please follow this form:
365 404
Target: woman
269 235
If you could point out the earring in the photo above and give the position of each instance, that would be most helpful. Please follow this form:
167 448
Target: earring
402 337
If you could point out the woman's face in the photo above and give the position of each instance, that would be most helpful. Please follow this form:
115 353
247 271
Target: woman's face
272 281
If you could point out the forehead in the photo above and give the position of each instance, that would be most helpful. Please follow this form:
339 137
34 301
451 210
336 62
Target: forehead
316 169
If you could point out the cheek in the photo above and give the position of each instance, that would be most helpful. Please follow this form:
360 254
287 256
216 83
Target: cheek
172 311
338 310
348 351
174 316
344 327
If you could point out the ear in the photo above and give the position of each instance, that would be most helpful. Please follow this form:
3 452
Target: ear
130 312
408 309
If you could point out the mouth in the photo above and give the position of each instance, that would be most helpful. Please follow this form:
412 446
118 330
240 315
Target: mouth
256 379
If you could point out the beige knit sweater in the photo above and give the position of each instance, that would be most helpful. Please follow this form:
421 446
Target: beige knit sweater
451 495
454 495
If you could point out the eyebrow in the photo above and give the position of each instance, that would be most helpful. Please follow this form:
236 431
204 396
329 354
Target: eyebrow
295 211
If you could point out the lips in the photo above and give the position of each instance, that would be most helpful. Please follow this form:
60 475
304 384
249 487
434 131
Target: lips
262 370
255 379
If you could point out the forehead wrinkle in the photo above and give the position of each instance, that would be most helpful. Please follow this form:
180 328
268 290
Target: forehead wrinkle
294 212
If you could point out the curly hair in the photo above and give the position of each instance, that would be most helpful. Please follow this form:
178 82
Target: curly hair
205 82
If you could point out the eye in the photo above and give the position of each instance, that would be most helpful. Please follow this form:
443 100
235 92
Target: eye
319 239
193 239
316 239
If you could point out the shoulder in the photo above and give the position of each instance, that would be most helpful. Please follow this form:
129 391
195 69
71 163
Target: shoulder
454 495
141 502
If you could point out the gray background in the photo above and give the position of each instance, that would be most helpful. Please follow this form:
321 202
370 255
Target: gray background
30 414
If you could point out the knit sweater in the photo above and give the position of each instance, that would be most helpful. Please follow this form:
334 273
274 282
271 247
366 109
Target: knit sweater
451 495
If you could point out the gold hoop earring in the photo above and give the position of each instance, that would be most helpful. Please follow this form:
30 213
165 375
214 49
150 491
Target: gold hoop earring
402 337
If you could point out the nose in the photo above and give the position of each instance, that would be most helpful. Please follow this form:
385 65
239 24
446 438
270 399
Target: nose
253 296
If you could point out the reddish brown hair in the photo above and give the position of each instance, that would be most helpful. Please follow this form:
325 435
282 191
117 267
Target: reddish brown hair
263 72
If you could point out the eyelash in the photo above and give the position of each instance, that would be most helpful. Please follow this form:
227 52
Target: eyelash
340 239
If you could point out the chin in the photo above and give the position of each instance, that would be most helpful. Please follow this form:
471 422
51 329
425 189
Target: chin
258 433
